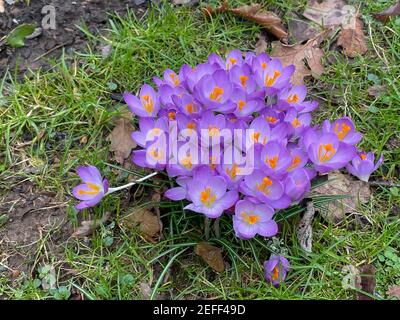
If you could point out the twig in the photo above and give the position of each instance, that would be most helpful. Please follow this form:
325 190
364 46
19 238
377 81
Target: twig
383 183
51 50
128 185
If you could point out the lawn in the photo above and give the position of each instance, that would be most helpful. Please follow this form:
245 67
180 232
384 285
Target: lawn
54 120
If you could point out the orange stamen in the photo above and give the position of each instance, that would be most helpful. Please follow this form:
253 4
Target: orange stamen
148 103
363 156
243 80
271 119
269 81
241 105
250 218
264 186
296 123
295 162
216 94
174 78
207 198
275 273
293 98
272 161
341 131
326 152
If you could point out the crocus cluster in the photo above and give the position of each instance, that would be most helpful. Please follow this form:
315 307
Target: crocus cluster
244 92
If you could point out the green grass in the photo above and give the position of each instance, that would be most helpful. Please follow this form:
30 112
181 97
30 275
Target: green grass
74 99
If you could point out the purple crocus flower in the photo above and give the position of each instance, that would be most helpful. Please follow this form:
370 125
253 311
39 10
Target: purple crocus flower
234 58
150 128
214 91
275 77
93 188
292 97
299 158
362 165
263 188
208 194
328 153
297 184
178 193
344 129
147 105
297 122
275 158
242 77
260 62
193 75
251 219
275 269
244 105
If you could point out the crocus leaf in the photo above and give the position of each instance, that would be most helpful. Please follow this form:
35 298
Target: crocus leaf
17 36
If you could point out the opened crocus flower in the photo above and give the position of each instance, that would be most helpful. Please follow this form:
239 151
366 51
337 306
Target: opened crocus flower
275 269
147 105
208 194
245 106
265 189
362 165
275 158
298 122
275 77
328 153
93 188
214 92
251 219
243 79
344 129
292 97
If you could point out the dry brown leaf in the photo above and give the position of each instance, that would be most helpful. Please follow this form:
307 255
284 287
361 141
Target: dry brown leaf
88 227
326 13
267 19
352 39
394 291
390 12
376 91
367 282
210 254
301 30
304 228
149 224
261 45
121 141
306 58
341 184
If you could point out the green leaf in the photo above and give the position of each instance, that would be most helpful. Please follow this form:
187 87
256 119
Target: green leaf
17 36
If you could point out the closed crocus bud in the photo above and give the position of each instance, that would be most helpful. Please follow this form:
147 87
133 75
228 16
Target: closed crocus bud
363 165
93 188
275 269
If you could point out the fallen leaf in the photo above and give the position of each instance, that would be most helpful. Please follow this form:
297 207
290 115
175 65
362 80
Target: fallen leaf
88 227
145 289
185 2
106 51
390 12
352 39
326 13
301 30
306 58
267 19
376 91
341 184
261 45
211 255
121 141
394 291
367 282
16 38
149 224
304 229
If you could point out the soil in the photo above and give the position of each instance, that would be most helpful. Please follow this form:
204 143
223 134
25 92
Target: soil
31 217
50 43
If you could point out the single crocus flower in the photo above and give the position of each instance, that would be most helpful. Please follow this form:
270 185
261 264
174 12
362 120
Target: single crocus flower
292 97
243 78
208 194
214 91
264 189
251 219
328 153
244 105
298 122
275 269
147 105
363 164
275 77
93 188
344 129
297 184
275 158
